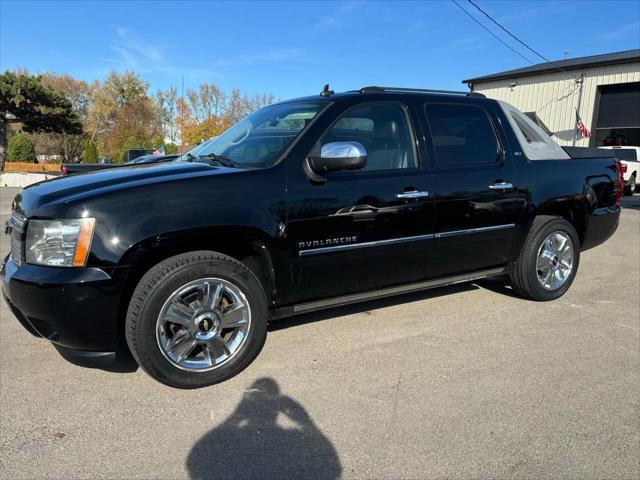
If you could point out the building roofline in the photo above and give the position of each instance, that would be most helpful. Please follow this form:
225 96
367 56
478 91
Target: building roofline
614 58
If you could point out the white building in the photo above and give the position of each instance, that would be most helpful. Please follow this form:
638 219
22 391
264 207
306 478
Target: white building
605 89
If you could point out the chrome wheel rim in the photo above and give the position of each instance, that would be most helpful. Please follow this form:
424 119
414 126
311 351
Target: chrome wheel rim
203 324
555 260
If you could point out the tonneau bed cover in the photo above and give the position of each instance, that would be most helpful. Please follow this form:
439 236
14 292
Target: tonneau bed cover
588 152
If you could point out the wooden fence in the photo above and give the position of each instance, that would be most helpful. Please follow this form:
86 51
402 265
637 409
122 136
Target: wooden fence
31 167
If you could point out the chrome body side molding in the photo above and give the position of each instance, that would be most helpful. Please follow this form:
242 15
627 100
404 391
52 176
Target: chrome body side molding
475 230
351 246
391 241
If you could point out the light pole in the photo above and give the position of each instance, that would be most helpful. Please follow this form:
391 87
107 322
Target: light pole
580 81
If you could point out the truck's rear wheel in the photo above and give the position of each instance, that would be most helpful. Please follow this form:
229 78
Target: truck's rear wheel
548 261
630 188
196 319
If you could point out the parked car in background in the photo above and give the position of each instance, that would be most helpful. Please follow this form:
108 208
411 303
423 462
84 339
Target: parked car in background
303 205
134 153
630 158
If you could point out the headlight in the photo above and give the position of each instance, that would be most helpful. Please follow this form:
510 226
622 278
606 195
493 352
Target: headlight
59 243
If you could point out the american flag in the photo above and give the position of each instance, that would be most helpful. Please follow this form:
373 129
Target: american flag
582 130
159 152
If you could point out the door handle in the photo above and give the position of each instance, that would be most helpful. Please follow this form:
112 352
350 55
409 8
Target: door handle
412 194
501 186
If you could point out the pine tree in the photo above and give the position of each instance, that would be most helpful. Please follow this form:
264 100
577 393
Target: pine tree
24 100
90 152
21 149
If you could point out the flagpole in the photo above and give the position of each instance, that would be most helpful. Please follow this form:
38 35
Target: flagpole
580 80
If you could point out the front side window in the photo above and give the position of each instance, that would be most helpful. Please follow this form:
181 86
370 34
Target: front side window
462 135
260 139
384 129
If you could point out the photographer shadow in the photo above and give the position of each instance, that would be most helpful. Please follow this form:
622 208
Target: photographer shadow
255 443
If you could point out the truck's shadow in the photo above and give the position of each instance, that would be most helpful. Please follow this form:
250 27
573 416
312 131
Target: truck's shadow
253 443
631 201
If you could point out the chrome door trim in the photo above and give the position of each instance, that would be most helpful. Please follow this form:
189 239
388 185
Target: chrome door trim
467 231
391 241
501 186
353 246
412 194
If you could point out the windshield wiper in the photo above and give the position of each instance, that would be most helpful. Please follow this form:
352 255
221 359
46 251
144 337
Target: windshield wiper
220 159
190 157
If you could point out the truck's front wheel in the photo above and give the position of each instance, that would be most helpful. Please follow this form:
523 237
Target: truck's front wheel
548 261
196 319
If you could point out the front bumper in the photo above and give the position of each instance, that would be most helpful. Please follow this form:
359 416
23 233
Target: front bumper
77 309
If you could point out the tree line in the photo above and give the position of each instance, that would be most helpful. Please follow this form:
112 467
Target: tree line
56 114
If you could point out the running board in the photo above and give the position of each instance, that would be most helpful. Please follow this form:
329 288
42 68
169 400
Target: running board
382 293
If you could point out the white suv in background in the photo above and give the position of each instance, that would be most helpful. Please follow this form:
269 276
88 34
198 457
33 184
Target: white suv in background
629 157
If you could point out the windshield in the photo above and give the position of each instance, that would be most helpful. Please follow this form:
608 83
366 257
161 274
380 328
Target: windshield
259 139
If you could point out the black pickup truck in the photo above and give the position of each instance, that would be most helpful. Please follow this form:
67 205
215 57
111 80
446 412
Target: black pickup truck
303 205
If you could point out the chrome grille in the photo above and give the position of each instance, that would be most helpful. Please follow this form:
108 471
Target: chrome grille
17 222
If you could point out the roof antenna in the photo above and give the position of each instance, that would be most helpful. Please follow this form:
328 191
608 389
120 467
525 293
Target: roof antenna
326 92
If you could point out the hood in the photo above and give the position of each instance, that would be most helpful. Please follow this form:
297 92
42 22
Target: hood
74 187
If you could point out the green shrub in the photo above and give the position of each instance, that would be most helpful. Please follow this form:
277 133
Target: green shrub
170 148
90 152
21 149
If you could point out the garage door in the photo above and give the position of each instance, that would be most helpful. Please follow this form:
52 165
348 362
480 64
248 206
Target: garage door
618 117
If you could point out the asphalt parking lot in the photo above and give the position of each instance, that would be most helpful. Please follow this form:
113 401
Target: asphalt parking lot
466 381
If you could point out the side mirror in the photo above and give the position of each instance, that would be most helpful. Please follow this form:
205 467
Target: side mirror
336 156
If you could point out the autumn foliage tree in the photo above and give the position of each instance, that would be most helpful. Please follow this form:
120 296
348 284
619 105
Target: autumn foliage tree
123 114
194 133
80 93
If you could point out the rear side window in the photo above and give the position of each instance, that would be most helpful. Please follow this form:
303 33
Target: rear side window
462 135
625 154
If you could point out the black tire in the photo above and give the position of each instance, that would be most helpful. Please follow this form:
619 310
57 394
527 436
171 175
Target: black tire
630 188
524 276
157 285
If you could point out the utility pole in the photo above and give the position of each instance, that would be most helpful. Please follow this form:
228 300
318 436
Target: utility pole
182 115
580 81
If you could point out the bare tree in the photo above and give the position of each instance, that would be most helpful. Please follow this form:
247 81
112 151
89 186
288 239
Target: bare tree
206 102
166 102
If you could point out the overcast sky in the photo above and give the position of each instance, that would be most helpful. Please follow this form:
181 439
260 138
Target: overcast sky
292 48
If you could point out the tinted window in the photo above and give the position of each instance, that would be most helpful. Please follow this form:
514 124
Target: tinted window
625 154
462 135
384 129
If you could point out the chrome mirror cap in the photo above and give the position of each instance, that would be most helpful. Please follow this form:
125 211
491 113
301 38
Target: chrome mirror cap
335 156
334 150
